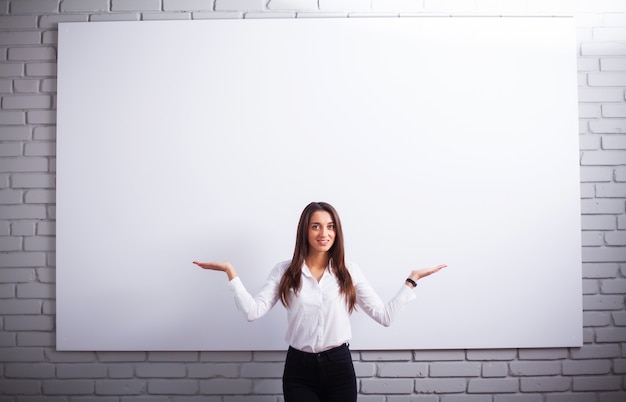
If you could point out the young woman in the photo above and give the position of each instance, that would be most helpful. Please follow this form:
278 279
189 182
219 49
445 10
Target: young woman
320 291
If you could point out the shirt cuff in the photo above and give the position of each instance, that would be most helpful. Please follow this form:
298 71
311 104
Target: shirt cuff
407 293
236 285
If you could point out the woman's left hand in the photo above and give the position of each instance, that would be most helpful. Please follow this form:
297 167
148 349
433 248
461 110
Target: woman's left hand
420 273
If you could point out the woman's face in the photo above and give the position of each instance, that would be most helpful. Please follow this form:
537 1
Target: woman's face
321 234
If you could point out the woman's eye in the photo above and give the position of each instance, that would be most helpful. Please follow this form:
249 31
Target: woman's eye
315 227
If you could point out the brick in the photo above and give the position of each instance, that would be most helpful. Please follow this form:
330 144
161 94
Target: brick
619 318
365 369
51 21
165 16
591 286
21 355
223 386
262 370
164 370
15 275
606 335
84 5
413 370
41 70
611 189
18 22
596 352
609 126
54 356
20 307
7 340
616 238
587 367
36 291
7 291
187 5
173 356
269 356
40 197
239 5
173 387
602 206
120 387
518 398
9 196
600 270
68 387
209 370
545 384
23 228
32 53
299 5
602 158
12 117
26 102
455 369
44 133
26 370
615 141
596 319
606 79
40 243
572 397
603 303
610 110
11 70
116 17
10 243
23 165
392 355
33 181
81 370
589 110
20 387
598 222
9 133
17 38
592 238
609 33
121 371
121 356
29 323
440 385
535 368
605 94
26 86
45 339
34 6
41 117
386 386
597 383
22 212
603 49
604 254
613 64
494 369
135 5
49 85
491 386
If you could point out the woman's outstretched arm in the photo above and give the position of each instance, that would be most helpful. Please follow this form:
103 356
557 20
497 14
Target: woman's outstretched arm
253 307
226 267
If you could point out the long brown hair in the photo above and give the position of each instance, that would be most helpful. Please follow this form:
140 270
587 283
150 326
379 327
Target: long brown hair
291 278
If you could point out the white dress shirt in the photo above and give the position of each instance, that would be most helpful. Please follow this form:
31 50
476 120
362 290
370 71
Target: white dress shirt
317 317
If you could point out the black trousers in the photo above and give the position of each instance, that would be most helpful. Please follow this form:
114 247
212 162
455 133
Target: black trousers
319 377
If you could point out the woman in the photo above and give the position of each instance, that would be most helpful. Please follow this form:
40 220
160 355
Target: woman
320 291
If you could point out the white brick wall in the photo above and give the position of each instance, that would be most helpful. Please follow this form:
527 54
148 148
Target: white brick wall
32 370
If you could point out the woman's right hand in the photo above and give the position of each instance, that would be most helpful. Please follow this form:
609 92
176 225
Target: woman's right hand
226 267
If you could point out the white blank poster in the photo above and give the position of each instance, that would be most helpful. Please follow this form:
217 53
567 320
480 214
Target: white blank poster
438 140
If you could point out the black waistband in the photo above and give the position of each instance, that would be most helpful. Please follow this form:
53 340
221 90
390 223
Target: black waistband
328 352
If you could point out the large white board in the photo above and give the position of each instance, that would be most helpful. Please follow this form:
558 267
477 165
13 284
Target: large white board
439 140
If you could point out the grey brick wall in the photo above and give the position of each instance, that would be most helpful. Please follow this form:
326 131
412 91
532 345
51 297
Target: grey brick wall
32 370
